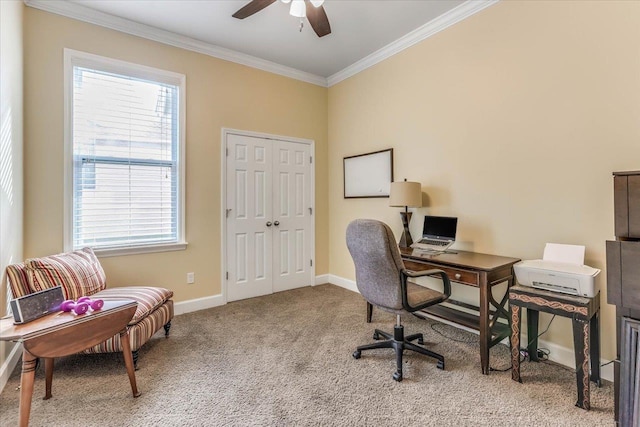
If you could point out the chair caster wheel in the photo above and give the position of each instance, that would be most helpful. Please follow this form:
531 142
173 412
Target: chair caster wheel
376 336
441 364
420 341
397 376
356 354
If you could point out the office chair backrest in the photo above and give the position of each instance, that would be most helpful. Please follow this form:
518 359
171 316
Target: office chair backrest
378 263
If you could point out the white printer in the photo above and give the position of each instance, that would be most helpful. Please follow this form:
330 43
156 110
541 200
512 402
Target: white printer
561 270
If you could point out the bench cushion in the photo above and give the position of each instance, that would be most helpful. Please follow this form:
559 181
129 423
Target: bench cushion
148 298
79 273
139 333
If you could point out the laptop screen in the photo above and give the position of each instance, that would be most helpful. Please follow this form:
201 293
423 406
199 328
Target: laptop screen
440 227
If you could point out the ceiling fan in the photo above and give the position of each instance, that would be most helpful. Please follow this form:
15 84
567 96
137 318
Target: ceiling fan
311 9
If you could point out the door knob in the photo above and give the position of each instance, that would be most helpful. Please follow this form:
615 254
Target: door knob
276 223
268 223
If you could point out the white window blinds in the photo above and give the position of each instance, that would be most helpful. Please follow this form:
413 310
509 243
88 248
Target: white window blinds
126 154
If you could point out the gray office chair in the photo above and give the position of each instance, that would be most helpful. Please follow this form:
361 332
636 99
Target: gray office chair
382 280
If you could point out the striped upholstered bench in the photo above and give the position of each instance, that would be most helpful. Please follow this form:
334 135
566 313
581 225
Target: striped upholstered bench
79 273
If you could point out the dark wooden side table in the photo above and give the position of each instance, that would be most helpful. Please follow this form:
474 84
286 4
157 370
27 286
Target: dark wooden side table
61 334
585 314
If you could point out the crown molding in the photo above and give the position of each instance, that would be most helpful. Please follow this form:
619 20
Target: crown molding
82 13
432 27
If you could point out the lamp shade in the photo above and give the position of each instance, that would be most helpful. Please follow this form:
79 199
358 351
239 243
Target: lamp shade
406 193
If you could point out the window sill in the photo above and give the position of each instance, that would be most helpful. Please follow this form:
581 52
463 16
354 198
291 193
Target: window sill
103 253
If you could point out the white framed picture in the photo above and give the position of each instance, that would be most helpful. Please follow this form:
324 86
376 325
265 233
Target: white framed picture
368 175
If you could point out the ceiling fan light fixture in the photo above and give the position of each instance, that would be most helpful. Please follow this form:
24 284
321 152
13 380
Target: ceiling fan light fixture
298 9
317 16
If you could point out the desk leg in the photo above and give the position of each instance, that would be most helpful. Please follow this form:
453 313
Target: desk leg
533 317
581 348
26 386
595 347
48 370
128 361
485 333
515 342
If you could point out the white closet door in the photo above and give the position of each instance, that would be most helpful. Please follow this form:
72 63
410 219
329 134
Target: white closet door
249 235
269 222
292 216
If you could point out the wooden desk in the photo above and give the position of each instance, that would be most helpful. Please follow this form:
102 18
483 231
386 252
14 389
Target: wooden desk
61 334
481 271
584 313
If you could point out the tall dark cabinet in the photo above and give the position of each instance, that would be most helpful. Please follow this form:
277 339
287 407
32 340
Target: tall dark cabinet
623 290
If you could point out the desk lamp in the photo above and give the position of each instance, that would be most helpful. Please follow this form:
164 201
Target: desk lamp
407 194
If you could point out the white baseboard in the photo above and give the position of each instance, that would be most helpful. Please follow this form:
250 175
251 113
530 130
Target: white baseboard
322 279
557 353
198 304
9 365
343 283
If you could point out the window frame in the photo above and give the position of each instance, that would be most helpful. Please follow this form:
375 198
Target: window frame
74 58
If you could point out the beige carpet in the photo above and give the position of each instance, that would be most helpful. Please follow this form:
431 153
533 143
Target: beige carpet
285 360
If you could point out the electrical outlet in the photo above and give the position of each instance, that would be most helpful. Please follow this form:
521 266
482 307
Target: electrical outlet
191 278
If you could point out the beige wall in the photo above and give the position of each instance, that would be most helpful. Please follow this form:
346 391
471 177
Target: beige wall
11 187
219 94
513 120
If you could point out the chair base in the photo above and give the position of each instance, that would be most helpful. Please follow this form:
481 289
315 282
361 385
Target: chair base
399 343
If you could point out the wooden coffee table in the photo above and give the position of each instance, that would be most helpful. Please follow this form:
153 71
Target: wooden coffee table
61 334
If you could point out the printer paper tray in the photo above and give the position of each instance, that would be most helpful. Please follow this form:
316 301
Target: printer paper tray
562 289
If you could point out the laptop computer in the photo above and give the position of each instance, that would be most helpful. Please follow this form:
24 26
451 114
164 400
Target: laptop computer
438 233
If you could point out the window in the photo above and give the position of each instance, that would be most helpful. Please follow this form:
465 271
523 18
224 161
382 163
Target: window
124 149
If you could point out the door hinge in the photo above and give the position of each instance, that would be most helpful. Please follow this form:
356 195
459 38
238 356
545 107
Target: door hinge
311 263
228 210
227 275
227 151
310 159
310 211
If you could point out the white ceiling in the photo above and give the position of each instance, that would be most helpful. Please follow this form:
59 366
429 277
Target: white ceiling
362 31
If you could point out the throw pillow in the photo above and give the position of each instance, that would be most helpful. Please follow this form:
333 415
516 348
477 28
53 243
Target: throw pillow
79 273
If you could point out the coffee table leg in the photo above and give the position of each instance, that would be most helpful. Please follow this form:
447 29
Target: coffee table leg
581 347
128 361
594 330
48 370
515 342
26 386
533 318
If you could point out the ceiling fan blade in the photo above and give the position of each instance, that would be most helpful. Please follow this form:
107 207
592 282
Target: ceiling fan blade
318 19
251 8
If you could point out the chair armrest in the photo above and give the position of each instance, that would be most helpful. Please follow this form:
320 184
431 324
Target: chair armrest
404 273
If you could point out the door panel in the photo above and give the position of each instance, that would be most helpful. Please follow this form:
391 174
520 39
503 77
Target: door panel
292 246
249 240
